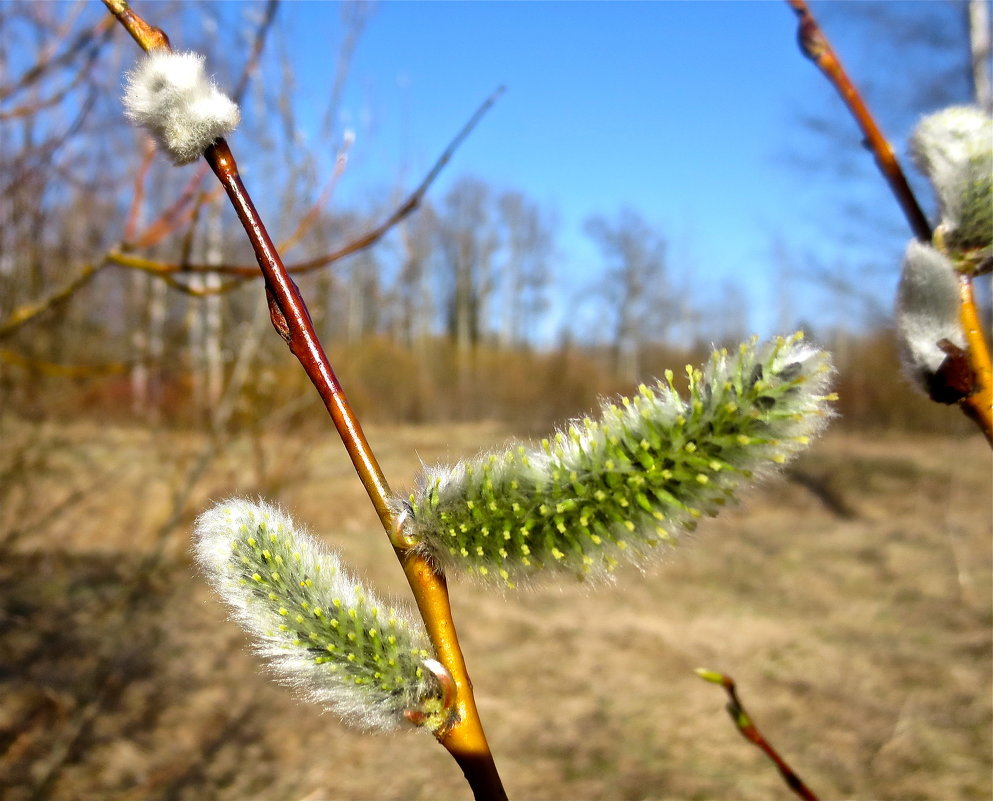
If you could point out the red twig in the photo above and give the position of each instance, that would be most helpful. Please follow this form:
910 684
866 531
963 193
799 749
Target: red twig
750 732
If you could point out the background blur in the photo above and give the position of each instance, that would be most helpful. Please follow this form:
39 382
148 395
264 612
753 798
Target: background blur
656 179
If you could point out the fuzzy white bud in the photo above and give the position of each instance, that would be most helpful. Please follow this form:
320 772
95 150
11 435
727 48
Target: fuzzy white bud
927 312
170 94
954 148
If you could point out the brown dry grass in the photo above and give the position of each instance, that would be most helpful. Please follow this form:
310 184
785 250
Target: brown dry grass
860 645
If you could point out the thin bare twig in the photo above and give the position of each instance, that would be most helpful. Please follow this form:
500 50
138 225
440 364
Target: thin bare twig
57 370
362 242
96 34
28 311
465 739
750 732
258 44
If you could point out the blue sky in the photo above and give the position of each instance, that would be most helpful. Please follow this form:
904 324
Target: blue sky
685 111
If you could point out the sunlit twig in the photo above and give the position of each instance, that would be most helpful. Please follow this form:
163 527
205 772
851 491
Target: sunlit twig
465 739
750 732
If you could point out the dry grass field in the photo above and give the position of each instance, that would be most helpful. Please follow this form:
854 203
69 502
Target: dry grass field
861 643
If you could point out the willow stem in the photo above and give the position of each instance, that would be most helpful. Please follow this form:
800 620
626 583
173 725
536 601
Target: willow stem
817 48
465 739
747 728
979 405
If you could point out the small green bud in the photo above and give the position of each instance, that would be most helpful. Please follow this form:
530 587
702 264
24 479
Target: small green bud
710 675
320 631
622 487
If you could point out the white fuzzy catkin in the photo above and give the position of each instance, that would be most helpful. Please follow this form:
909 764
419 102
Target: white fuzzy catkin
954 148
169 94
624 486
927 311
318 628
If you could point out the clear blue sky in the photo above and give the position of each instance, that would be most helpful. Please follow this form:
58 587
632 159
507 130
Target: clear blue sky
681 110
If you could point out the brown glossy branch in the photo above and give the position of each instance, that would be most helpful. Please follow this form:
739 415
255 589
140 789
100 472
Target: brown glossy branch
147 36
465 740
817 48
291 318
746 726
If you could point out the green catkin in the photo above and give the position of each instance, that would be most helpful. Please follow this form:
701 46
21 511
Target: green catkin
320 631
619 487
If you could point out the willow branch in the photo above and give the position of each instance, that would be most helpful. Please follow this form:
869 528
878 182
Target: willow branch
978 406
978 403
817 48
465 739
746 726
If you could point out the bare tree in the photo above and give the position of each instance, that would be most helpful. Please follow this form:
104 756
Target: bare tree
527 244
468 243
416 308
634 285
981 50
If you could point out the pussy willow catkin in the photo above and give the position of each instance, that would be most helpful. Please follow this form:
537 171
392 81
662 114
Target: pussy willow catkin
321 632
954 149
622 485
171 96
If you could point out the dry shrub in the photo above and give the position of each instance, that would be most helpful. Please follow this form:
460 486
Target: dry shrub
432 381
